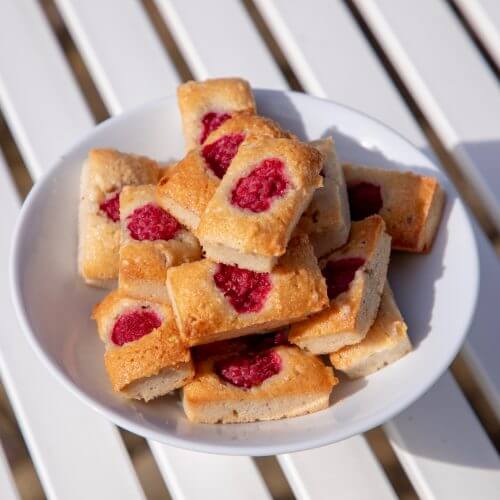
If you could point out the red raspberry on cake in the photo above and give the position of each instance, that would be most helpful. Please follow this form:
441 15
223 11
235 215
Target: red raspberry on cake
104 174
264 184
273 383
186 193
252 214
205 106
385 342
145 357
355 275
152 240
411 205
211 121
246 290
327 219
214 302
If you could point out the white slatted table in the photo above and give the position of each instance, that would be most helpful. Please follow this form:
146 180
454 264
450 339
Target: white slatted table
332 58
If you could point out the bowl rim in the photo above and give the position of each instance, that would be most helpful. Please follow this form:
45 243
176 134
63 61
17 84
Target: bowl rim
172 439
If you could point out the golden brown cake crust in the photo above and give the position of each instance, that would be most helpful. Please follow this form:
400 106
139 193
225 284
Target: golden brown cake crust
105 172
388 330
145 357
221 95
302 375
143 264
347 311
204 315
411 204
266 233
253 126
193 184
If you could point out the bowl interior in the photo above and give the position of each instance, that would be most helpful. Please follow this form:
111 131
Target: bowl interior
436 292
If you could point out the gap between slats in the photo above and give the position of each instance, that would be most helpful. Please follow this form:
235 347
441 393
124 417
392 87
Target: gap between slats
167 40
455 7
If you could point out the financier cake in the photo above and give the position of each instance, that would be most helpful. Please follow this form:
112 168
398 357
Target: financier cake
145 357
355 277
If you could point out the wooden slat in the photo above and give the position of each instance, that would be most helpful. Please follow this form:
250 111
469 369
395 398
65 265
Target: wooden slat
333 472
193 476
219 39
331 37
484 17
203 46
450 81
36 87
7 485
456 462
112 80
121 49
73 448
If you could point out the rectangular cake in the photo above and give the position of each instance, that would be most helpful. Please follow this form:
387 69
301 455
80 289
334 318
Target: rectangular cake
386 342
204 106
283 382
104 174
410 204
215 301
151 241
251 216
355 275
145 357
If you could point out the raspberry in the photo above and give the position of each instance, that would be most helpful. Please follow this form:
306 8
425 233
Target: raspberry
133 325
246 290
249 370
210 122
219 154
340 273
261 186
111 207
150 222
365 199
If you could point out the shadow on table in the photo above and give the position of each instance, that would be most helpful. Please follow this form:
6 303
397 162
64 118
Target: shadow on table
485 155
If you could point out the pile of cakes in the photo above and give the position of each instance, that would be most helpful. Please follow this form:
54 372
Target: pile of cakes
238 267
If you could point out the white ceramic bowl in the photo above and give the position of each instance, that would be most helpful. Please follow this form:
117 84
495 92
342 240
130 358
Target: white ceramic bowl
436 292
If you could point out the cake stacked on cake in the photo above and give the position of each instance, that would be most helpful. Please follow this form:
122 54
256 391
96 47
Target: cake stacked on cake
238 266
